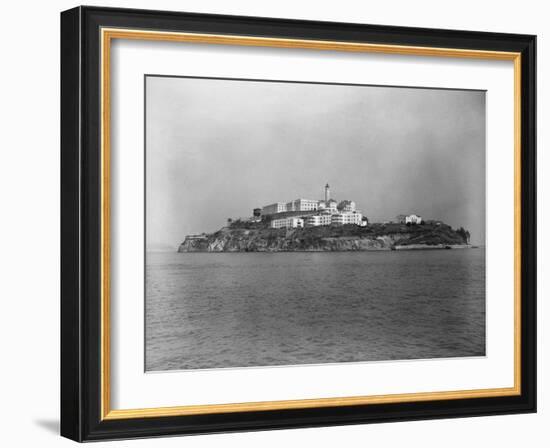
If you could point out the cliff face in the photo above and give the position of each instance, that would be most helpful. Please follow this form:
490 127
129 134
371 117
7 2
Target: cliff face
319 239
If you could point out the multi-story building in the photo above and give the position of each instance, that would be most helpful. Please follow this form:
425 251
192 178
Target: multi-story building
301 205
330 206
287 223
346 206
297 205
347 218
318 220
271 209
326 207
326 219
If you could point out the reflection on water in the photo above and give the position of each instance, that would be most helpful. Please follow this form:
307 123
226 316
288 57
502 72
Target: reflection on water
211 310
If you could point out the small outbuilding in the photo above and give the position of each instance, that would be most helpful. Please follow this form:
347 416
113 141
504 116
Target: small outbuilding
413 219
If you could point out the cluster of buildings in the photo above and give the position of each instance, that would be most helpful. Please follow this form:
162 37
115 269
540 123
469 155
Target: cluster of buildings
311 212
301 213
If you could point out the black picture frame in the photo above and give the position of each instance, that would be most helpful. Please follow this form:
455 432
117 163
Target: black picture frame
81 224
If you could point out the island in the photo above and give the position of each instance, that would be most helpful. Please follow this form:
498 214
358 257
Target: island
242 236
305 225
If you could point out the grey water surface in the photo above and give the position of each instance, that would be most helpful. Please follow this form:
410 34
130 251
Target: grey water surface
215 310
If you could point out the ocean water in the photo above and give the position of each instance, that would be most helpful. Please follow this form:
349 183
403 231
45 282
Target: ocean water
213 310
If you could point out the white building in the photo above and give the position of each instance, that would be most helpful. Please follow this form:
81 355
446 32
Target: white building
326 219
301 205
413 219
347 218
326 205
271 209
330 206
318 220
346 206
287 223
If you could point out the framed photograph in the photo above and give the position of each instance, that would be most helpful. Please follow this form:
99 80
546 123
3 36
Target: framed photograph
272 223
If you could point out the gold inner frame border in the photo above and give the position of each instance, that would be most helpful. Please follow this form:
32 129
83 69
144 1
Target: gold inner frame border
107 35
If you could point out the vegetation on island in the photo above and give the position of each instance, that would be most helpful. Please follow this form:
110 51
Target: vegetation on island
247 236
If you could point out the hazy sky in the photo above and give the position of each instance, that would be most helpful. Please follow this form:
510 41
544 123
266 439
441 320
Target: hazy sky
218 148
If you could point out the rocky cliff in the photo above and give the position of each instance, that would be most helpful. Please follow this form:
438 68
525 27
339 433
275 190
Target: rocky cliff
329 238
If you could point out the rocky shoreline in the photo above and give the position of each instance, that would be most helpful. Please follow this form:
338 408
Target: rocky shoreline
327 239
435 246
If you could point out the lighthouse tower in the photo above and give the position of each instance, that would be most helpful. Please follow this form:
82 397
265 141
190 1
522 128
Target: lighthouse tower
327 192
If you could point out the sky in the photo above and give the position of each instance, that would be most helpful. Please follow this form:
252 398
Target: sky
216 149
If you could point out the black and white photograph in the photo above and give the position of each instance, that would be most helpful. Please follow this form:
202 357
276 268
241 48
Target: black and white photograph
281 219
292 223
